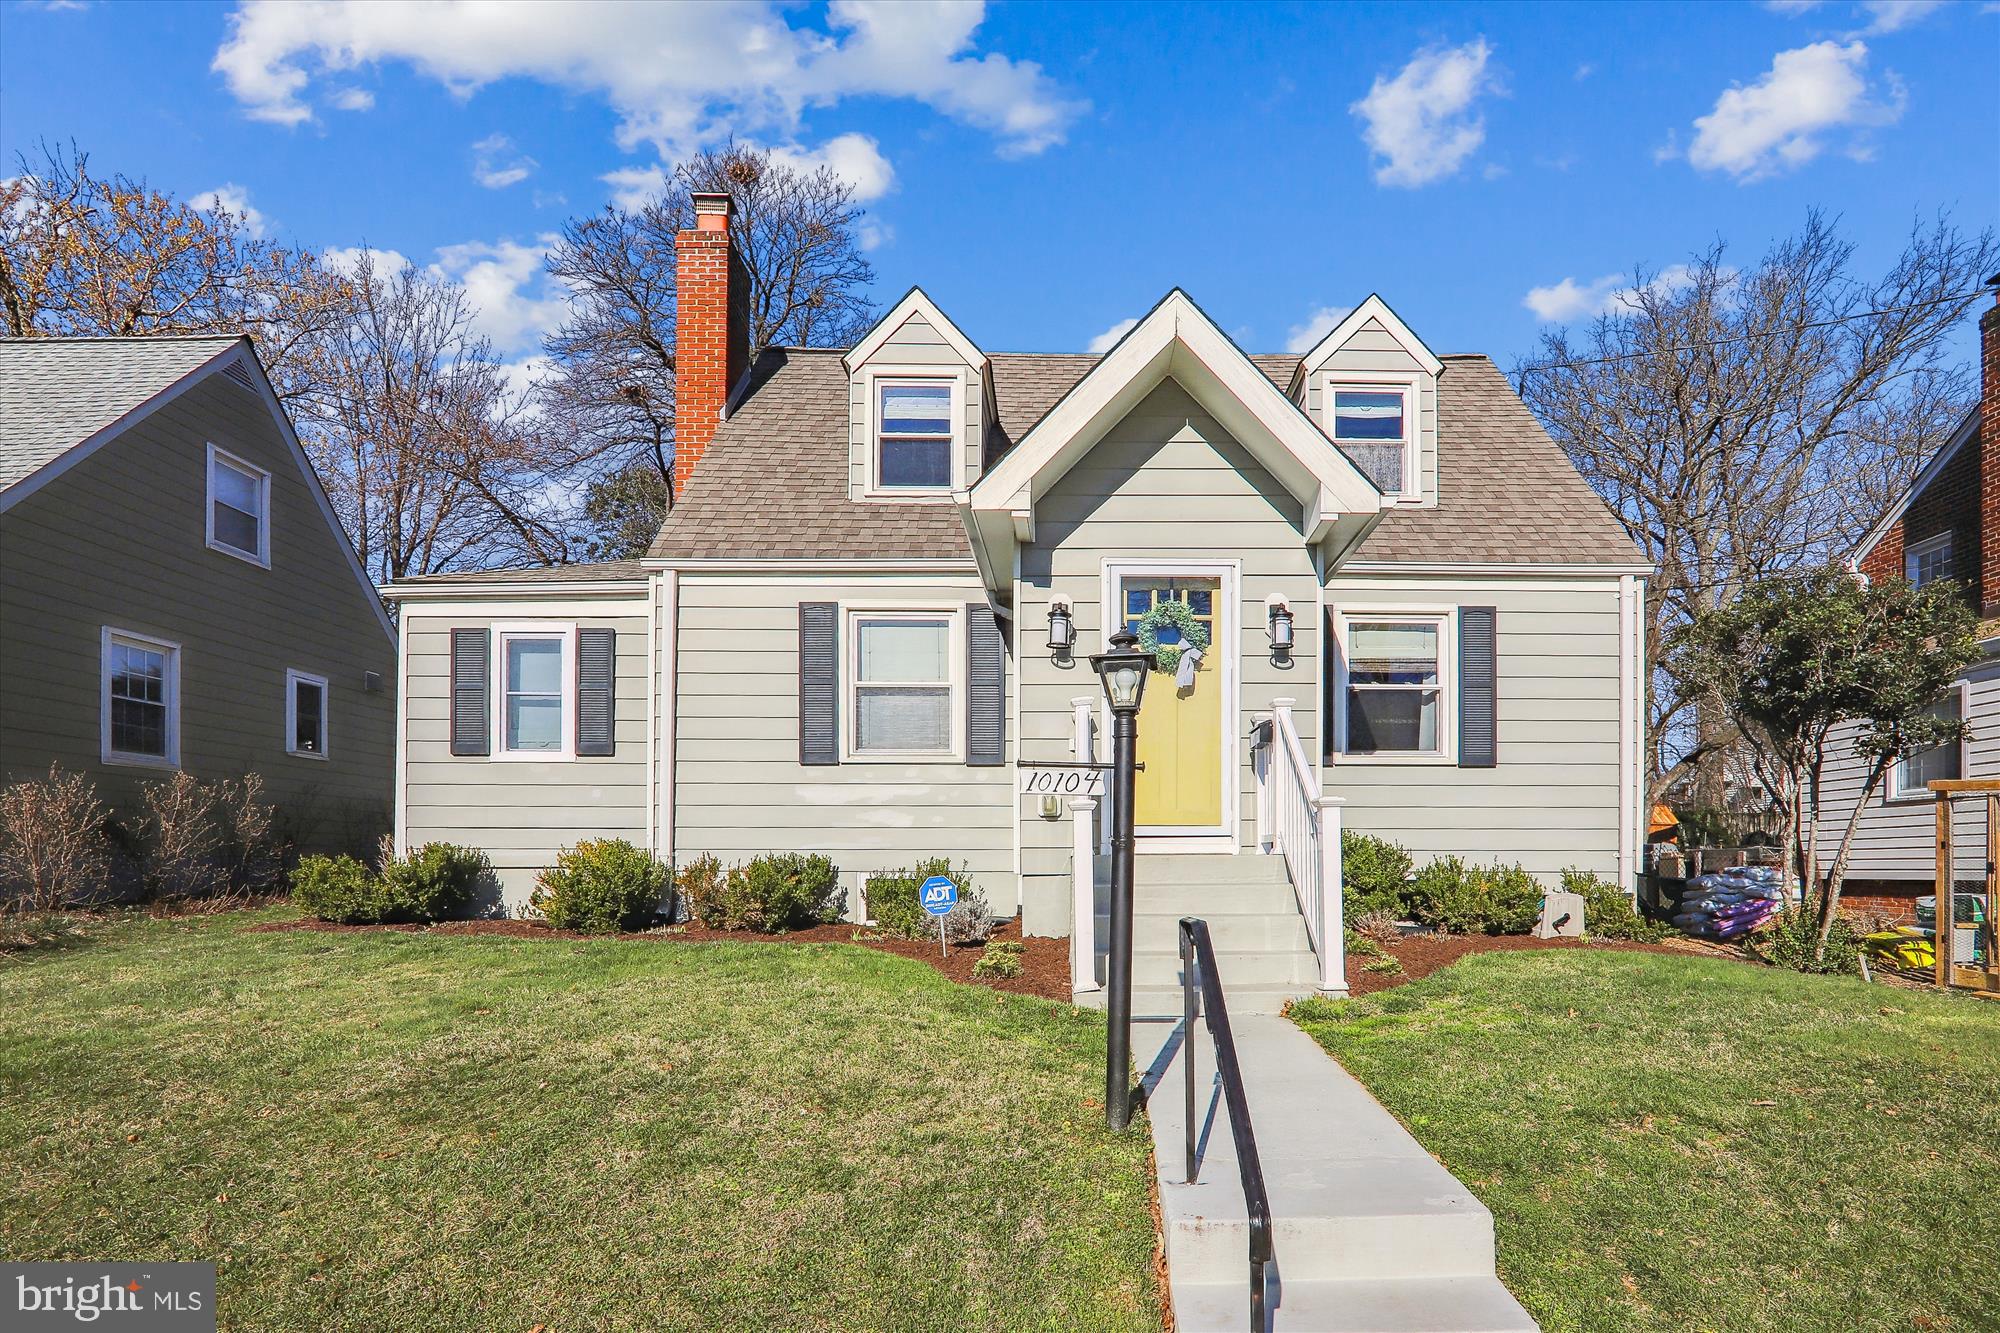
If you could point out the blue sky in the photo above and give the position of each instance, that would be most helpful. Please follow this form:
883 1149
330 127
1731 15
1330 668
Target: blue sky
1046 171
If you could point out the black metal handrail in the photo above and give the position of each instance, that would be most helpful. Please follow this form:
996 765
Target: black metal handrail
1201 990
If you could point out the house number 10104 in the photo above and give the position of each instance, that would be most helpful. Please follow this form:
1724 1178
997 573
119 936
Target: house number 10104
1058 781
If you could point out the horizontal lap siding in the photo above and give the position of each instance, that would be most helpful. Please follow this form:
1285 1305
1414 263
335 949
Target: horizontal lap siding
1896 839
1552 800
1374 348
521 813
1167 483
916 342
740 790
120 540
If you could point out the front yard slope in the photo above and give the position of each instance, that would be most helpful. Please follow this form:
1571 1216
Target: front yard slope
401 1131
1676 1144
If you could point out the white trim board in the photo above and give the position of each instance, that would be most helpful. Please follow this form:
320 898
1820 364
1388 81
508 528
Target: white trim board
1375 308
914 302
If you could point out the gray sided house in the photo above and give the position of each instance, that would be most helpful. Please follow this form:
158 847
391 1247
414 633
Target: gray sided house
175 591
1415 615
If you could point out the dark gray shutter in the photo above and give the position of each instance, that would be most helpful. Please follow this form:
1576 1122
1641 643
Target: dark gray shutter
819 683
985 689
471 711
1477 675
596 687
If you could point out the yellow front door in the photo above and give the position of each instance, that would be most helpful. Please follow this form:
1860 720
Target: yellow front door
1180 730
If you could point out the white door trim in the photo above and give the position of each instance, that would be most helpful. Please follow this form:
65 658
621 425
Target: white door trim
1226 836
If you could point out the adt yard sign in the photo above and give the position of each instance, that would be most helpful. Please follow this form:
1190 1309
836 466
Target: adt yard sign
938 896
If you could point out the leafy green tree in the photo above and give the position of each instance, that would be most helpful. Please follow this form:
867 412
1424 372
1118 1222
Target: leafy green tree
1800 660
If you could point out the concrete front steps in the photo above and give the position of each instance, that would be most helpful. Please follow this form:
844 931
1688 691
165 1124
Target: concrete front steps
1372 1234
1253 917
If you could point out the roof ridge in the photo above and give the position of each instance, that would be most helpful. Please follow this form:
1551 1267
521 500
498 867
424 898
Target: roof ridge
36 339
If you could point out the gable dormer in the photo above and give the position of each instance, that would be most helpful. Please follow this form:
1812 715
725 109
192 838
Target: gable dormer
1371 385
917 406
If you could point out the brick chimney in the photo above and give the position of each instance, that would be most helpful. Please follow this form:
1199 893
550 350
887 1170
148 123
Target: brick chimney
1989 454
712 336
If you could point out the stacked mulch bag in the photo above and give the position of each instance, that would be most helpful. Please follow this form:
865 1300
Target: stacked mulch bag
1735 902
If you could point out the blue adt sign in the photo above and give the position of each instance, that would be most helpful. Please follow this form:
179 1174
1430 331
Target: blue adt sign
938 895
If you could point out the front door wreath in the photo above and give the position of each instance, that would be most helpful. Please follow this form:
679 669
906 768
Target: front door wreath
1171 613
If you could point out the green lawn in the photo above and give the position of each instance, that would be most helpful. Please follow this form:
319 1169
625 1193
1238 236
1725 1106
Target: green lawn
408 1131
1610 1108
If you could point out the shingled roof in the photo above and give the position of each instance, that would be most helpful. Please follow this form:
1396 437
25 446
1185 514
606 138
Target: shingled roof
55 393
774 484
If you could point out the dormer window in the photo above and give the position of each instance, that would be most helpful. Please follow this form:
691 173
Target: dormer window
913 436
1371 425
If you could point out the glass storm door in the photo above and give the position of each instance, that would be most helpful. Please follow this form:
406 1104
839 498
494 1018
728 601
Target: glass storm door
1180 730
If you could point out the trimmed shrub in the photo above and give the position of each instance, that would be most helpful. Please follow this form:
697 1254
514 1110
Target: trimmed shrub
894 904
337 888
1361 946
1608 912
600 886
1375 875
1014 947
1792 936
1387 965
993 964
699 885
1450 896
435 881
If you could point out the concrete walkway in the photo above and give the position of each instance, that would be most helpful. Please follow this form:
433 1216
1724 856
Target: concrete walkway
1371 1234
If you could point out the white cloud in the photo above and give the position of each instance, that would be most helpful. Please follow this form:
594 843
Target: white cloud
1782 121
679 76
633 186
346 260
515 302
1422 121
1584 71
1569 299
1108 339
1790 7
1302 338
232 199
496 164
354 99
854 158
1892 15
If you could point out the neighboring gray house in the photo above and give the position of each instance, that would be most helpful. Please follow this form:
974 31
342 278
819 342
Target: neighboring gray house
175 591
840 641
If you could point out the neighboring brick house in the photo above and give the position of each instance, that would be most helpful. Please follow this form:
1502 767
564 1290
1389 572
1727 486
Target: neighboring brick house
1946 526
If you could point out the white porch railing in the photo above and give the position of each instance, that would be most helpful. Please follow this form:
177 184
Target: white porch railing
1295 821
1083 859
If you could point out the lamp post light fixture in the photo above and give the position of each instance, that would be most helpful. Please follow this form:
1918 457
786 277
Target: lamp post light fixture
1123 669
1062 629
1280 626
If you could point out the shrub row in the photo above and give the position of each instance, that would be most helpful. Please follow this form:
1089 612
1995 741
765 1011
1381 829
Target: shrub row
1380 882
782 891
431 883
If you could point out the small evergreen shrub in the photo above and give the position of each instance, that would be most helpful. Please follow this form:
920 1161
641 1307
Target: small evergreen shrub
993 964
600 886
1608 912
1374 874
1361 946
431 883
1450 896
337 888
1014 947
1792 936
1387 965
897 910
699 885
781 891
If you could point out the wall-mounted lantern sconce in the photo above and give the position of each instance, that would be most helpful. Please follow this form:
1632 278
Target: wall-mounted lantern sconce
1062 628
1280 625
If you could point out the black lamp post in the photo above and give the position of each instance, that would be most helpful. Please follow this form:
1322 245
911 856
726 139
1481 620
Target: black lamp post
1123 670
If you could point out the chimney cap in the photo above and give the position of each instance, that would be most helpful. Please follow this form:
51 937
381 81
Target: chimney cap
712 209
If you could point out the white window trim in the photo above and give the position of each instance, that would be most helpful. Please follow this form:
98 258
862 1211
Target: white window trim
1407 384
262 558
873 378
534 629
1892 791
172 651
850 680
293 679
1446 619
1912 555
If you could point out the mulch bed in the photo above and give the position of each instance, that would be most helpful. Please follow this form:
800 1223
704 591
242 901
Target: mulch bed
1422 955
1044 967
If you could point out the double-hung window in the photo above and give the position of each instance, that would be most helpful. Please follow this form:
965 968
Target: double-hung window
1372 427
913 434
1913 773
305 715
534 703
1928 560
239 508
139 700
1394 679
901 684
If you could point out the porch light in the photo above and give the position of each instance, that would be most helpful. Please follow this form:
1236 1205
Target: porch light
1280 626
1123 670
1062 628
